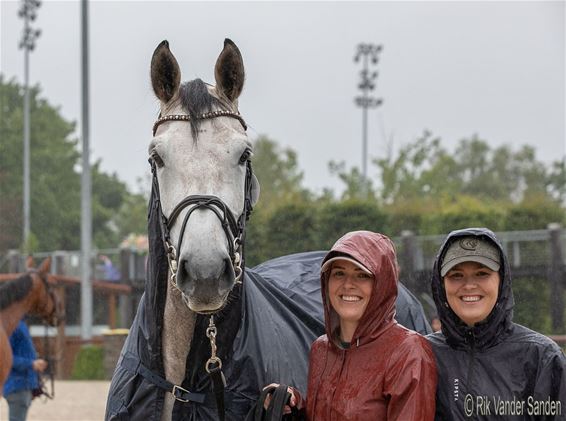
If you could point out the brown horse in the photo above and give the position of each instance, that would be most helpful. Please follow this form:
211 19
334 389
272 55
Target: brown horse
31 293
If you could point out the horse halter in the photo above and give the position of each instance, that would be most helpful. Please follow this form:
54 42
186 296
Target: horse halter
234 229
52 316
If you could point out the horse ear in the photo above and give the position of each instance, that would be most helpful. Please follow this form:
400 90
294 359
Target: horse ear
30 264
45 266
229 71
165 72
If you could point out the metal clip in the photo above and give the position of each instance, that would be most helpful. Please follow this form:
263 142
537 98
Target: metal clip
171 257
213 362
238 275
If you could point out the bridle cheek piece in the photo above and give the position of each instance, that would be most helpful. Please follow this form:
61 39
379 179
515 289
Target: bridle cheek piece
234 229
52 316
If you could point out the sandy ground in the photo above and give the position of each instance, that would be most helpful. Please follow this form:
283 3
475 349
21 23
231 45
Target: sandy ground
74 401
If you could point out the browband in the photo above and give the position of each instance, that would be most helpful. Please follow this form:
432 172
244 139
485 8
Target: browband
211 114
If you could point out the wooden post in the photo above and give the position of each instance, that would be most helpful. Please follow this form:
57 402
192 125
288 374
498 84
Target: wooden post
60 341
556 276
112 310
126 304
14 265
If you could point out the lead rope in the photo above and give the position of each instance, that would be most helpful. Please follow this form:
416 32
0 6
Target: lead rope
50 372
214 369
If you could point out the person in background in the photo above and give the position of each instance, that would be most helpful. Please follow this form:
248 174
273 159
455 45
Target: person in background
366 367
111 273
488 366
23 378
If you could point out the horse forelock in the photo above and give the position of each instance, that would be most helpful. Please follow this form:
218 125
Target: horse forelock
196 99
15 290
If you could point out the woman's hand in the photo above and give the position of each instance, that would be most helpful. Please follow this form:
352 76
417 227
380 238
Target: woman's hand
39 365
292 400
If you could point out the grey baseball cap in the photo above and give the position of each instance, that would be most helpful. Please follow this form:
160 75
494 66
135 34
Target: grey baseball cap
471 249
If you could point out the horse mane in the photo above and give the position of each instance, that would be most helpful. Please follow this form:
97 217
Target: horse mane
197 100
15 290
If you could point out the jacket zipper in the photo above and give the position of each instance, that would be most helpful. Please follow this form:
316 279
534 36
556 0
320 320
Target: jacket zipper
339 379
471 353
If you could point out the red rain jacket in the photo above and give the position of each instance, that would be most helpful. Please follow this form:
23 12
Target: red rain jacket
388 372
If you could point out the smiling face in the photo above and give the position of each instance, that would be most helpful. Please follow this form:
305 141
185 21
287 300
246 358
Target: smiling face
471 291
349 290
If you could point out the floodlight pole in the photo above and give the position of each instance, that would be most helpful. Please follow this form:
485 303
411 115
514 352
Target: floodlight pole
27 43
86 187
365 52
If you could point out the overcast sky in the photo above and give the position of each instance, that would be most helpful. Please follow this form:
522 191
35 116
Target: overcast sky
455 68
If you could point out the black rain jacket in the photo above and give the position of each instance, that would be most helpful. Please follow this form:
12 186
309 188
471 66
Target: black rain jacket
264 336
496 369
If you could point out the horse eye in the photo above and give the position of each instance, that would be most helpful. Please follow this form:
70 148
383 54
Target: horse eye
245 156
155 157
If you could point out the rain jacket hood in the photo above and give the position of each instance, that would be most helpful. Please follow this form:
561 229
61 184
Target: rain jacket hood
377 253
497 325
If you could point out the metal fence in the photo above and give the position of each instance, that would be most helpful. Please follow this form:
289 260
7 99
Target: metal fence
532 254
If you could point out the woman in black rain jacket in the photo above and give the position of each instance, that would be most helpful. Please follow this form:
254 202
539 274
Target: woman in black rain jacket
489 368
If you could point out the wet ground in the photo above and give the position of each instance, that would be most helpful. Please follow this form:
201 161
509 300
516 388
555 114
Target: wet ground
74 401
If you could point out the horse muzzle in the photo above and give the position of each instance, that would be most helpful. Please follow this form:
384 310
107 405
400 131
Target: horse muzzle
205 285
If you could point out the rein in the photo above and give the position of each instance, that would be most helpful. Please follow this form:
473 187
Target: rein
235 234
49 372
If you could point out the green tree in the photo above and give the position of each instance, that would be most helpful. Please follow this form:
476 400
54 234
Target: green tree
292 229
338 218
357 188
280 179
424 169
54 181
464 211
557 181
420 169
278 173
535 212
54 188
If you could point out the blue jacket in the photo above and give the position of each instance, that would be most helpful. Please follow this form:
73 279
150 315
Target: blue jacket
22 376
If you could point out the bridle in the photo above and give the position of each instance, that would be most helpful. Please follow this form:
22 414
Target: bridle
53 317
234 229
235 234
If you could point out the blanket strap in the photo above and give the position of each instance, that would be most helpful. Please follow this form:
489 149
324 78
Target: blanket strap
135 366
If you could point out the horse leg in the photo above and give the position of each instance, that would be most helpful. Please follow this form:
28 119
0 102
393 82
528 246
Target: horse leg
178 328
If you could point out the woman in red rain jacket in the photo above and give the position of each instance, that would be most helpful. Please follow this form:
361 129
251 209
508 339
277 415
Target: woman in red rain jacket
366 367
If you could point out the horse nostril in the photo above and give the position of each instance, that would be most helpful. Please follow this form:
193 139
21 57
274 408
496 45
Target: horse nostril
184 273
229 275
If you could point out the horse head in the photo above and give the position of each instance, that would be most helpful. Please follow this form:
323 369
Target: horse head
47 304
200 156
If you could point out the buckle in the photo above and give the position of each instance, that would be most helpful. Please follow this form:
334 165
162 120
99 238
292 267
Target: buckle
178 392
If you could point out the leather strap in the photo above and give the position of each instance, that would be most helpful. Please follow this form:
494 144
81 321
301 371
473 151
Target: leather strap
278 401
218 385
280 397
135 366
